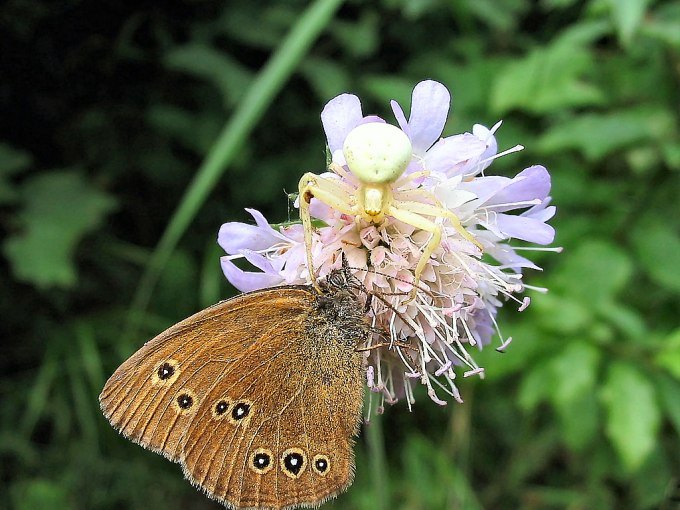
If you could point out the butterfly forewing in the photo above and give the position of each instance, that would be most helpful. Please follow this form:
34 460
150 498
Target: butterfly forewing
141 398
258 397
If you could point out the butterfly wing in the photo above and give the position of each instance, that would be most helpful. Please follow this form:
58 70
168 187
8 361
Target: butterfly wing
259 398
142 398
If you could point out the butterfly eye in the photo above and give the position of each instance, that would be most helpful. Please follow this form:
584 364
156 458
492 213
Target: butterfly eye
293 462
261 461
321 465
166 372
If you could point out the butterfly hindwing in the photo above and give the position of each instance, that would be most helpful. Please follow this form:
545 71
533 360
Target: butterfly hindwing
295 444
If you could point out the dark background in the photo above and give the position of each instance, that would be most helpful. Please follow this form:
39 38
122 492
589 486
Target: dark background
109 110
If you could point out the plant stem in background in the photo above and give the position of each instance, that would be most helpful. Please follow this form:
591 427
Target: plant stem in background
268 83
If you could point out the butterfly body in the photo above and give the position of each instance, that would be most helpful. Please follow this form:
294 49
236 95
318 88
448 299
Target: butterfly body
258 397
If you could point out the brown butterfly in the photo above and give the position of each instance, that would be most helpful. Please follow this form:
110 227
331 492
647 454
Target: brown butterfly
258 397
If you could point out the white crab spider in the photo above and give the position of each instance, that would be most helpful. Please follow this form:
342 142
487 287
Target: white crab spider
378 154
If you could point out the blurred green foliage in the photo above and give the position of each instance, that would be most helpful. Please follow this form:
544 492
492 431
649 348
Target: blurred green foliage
110 110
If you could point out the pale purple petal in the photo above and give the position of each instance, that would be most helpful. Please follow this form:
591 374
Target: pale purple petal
270 266
235 236
296 264
527 229
340 115
247 281
540 214
509 257
430 105
485 187
486 135
451 155
530 184
399 115
369 119
484 327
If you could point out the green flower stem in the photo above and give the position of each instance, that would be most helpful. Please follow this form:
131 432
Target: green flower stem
268 83
376 451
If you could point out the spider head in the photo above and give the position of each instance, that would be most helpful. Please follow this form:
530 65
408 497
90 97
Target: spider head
377 153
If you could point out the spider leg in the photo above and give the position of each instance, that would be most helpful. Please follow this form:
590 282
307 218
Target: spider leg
437 210
339 170
399 183
329 192
417 220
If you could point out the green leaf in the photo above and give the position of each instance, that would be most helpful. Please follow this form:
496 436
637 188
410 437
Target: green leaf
594 272
386 87
657 246
326 77
663 24
433 478
360 38
217 67
633 415
536 386
669 389
626 320
597 134
562 314
548 79
12 161
575 372
257 25
669 355
40 494
194 131
60 207
627 16
579 421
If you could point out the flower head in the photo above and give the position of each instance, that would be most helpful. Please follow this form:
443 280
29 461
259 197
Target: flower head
459 293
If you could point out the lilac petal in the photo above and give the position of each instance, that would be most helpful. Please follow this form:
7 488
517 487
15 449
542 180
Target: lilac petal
235 236
527 229
340 115
369 119
247 281
452 154
263 263
486 135
416 165
485 187
530 184
296 264
508 257
540 214
430 105
401 118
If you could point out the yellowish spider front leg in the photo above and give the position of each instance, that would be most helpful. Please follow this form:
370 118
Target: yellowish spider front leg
436 210
422 223
334 194
413 214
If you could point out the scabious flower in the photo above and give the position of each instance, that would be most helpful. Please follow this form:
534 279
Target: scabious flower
459 293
